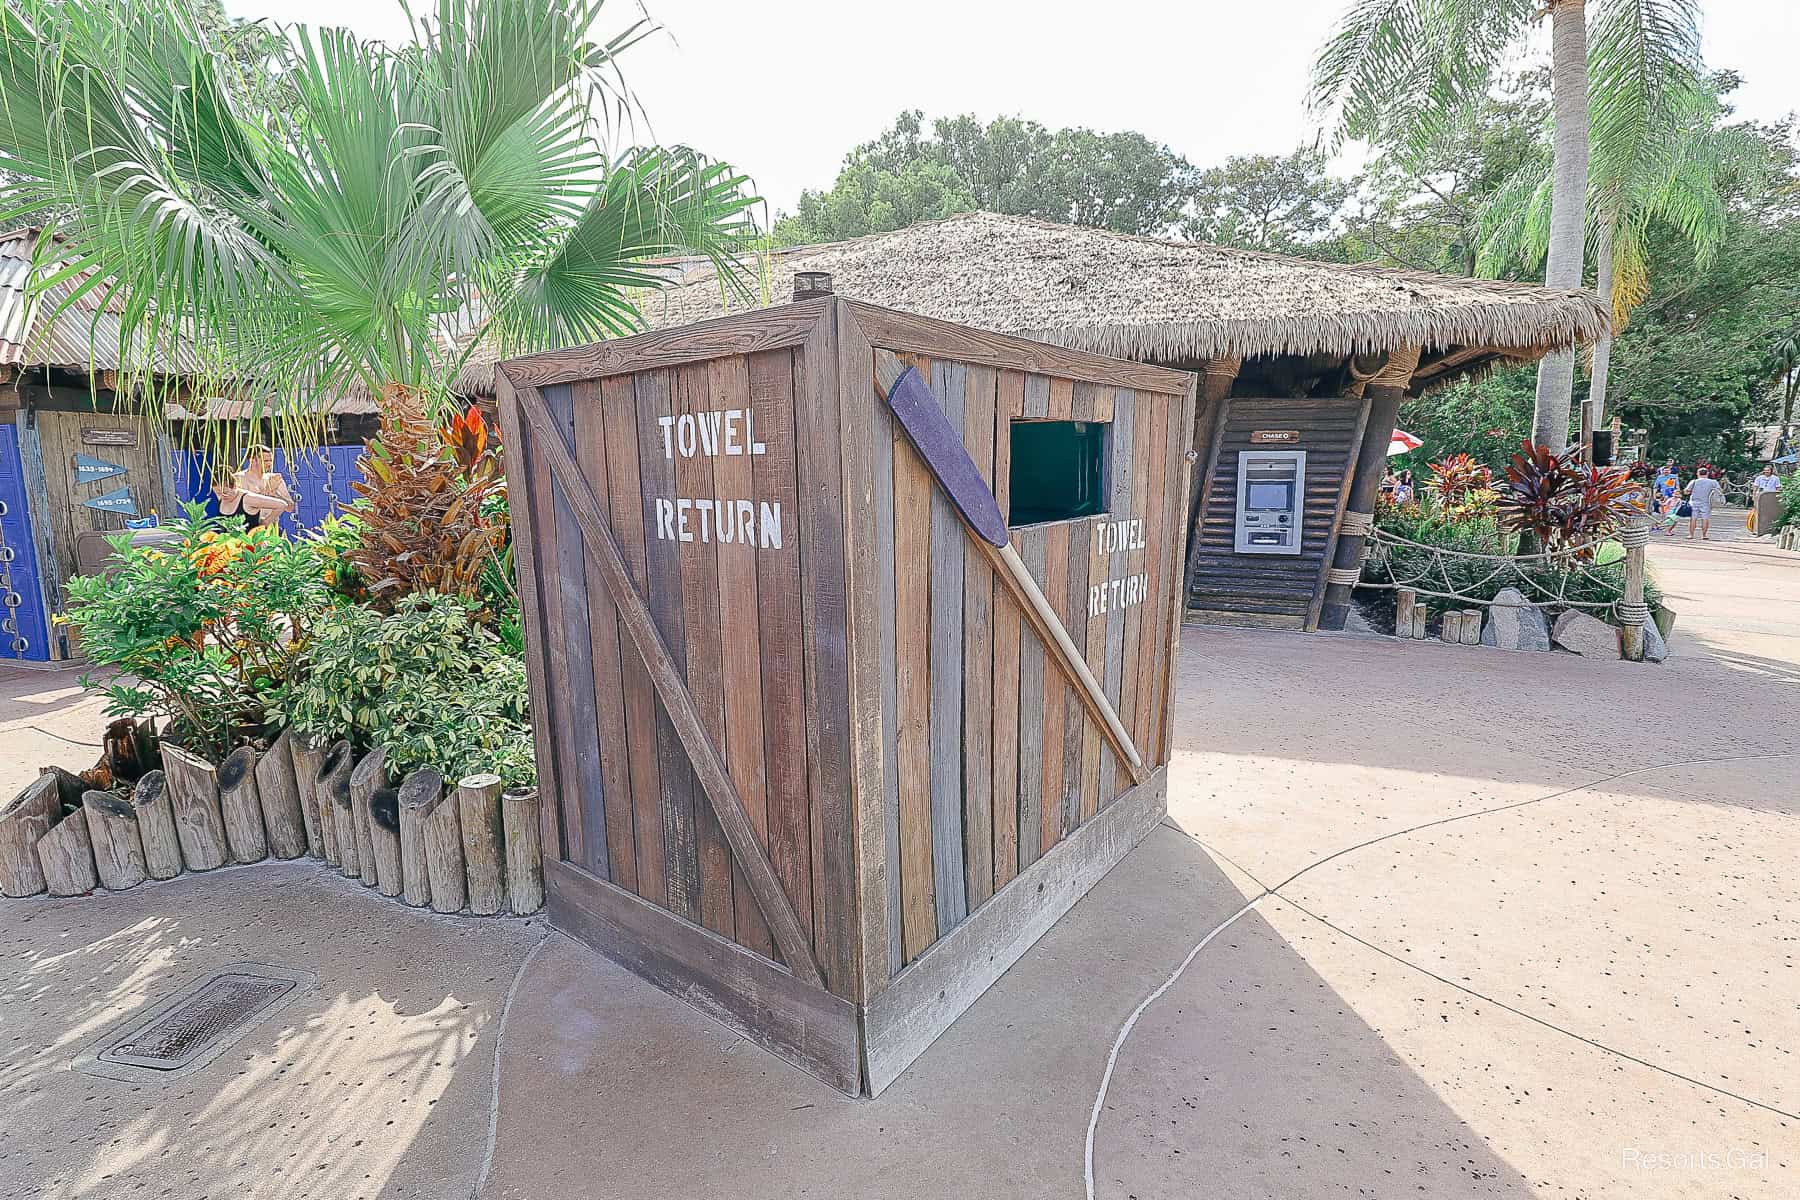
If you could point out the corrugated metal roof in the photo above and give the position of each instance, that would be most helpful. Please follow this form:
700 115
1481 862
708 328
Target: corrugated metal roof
84 336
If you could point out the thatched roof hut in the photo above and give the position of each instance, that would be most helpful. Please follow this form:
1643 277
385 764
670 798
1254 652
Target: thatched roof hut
1153 300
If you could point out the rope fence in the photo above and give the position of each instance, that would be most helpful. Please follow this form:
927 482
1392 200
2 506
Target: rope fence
1565 577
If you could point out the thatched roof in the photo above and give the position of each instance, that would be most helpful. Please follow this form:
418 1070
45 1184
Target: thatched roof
1143 298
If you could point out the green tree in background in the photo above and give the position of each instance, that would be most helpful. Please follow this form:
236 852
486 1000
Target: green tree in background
1694 366
1287 204
389 199
1676 170
870 199
1398 71
1121 181
1420 206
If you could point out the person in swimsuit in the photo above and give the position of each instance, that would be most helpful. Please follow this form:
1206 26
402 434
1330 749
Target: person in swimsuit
257 490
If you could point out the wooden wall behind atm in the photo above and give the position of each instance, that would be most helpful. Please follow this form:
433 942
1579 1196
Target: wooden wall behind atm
1279 591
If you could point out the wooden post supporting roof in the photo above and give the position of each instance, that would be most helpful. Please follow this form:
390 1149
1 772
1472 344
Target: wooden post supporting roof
1216 379
1386 389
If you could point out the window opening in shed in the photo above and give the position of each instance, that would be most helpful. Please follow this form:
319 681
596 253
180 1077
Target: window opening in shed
1058 470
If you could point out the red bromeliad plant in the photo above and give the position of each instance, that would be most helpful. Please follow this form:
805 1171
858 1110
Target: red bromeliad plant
1561 501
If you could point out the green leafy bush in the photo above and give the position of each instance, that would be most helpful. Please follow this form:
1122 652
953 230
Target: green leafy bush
429 683
1790 501
203 631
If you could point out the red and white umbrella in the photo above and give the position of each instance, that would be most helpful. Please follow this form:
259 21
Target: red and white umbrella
1402 442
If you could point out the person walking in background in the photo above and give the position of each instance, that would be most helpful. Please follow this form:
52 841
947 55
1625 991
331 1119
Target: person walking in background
1702 494
1768 481
257 490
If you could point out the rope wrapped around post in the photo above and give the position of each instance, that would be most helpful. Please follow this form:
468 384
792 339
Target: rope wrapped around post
1633 613
1386 388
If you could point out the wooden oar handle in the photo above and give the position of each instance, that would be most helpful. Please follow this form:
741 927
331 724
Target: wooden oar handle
1073 659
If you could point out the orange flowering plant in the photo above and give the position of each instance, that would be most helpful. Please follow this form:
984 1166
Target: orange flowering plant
202 630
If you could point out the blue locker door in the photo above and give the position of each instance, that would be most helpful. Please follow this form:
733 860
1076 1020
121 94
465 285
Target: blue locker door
24 634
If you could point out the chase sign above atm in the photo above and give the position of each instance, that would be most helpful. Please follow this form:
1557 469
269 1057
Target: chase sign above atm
1274 437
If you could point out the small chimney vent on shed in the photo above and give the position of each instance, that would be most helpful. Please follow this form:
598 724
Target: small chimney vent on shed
809 285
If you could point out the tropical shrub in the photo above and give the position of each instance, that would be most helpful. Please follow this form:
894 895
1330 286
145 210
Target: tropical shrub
1790 501
1472 527
203 631
1455 478
429 683
425 519
336 537
1561 501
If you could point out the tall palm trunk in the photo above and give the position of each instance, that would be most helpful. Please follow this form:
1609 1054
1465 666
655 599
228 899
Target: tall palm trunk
1568 207
1603 283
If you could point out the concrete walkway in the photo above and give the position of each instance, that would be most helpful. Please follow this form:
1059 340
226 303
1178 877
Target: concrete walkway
1474 924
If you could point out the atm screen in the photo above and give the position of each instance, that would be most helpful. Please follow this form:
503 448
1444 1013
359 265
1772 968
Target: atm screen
1268 495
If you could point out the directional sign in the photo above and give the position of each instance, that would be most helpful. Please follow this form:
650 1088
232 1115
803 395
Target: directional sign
116 501
89 469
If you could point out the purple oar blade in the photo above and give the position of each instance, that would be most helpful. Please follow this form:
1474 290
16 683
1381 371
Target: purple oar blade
942 448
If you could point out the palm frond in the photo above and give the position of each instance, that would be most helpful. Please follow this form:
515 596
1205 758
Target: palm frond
654 204
393 198
1640 54
1398 70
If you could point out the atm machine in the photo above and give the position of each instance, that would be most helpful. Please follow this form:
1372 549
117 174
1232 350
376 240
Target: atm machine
1271 487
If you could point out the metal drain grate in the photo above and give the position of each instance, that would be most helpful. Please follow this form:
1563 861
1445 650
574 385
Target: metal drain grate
223 1005
187 1030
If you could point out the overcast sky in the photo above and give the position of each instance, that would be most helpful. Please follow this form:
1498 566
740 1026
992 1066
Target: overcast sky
784 88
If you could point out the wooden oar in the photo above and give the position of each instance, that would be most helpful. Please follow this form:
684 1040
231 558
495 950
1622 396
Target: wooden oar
948 460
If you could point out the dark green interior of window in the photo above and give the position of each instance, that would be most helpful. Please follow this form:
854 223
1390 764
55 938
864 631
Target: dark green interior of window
1058 470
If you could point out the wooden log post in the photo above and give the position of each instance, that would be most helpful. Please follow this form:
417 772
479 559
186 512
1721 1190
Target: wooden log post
1633 612
368 776
157 832
1421 615
1471 626
1405 600
118 848
193 788
307 755
440 819
421 788
478 807
384 836
334 797
66 854
25 819
242 807
524 854
1450 630
284 817
1386 389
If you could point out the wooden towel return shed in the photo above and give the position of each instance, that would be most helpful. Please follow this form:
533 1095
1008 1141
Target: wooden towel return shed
813 769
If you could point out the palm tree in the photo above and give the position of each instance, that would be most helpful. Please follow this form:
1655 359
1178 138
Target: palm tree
1397 70
379 212
1677 167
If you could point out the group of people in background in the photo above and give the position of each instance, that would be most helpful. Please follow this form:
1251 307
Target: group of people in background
1398 489
1693 503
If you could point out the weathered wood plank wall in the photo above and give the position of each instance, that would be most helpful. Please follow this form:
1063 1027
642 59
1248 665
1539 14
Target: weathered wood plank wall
697 466
989 759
